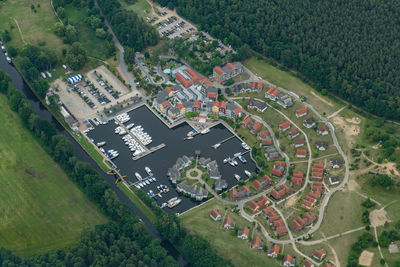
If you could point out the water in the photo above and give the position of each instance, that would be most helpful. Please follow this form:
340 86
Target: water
20 84
175 146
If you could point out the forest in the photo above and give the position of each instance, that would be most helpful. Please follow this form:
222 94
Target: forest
349 48
131 30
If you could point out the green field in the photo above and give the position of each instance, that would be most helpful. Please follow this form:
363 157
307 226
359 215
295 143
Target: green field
41 209
35 27
227 245
343 213
290 82
141 7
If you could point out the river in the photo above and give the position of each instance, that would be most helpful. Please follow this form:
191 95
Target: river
20 84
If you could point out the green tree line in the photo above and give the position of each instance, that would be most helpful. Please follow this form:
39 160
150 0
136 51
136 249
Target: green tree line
347 47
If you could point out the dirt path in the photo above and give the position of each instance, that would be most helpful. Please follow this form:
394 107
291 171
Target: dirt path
379 247
322 99
20 32
335 113
337 262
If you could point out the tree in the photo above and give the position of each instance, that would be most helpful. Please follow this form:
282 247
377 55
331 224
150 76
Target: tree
129 55
59 29
71 34
101 33
76 57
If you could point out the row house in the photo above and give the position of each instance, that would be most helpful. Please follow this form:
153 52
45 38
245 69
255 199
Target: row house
300 223
241 88
243 192
312 197
229 70
264 183
284 191
258 105
261 203
274 221
272 154
297 179
317 171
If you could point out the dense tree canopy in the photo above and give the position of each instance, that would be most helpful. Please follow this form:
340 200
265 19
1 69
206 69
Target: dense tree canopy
348 47
130 29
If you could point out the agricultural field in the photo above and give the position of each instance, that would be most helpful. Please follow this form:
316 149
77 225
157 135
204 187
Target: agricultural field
225 243
41 209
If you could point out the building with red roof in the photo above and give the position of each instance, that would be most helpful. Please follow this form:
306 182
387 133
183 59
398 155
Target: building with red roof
323 129
179 77
215 215
229 224
319 254
298 142
276 173
284 126
170 91
308 263
288 261
195 77
256 127
294 133
238 112
224 73
301 153
273 251
301 112
243 233
280 231
257 243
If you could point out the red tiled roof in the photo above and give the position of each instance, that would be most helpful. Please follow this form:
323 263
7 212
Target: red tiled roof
276 248
223 104
298 174
275 92
253 85
194 76
262 133
301 152
296 226
297 181
179 105
253 205
214 213
323 128
182 80
301 111
259 85
197 104
230 65
169 89
256 243
319 253
298 141
281 230
267 178
237 111
266 142
307 263
212 95
279 163
165 103
219 71
284 124
270 90
228 220
216 104
256 127
256 185
275 194
276 172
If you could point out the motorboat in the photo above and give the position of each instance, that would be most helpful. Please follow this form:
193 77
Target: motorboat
237 177
173 202
227 159
237 154
148 170
147 182
235 162
242 159
100 144
245 146
8 59
138 176
247 173
231 163
205 131
163 205
216 145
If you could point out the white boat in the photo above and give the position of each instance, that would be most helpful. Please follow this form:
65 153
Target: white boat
232 164
205 131
173 202
147 182
137 186
148 170
216 146
237 154
247 173
242 159
138 176
3 48
235 162
237 177
129 126
227 159
245 146
8 59
163 205
100 144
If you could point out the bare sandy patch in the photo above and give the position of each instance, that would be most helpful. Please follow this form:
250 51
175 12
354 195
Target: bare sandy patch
354 120
322 99
122 75
391 168
291 201
378 217
353 130
366 258
352 185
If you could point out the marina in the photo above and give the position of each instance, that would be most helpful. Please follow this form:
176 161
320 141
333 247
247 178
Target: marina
167 147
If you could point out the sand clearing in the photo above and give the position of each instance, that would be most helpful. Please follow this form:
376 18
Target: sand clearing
366 258
352 130
291 201
352 185
391 166
322 99
378 217
354 120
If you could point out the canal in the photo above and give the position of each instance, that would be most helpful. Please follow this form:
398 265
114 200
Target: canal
37 106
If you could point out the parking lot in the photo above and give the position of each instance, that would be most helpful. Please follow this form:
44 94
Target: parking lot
98 90
172 26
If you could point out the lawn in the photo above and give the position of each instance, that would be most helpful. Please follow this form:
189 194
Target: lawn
227 245
35 27
41 209
140 7
343 213
290 82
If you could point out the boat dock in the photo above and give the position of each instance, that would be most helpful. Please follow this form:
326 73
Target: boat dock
223 141
149 151
133 136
